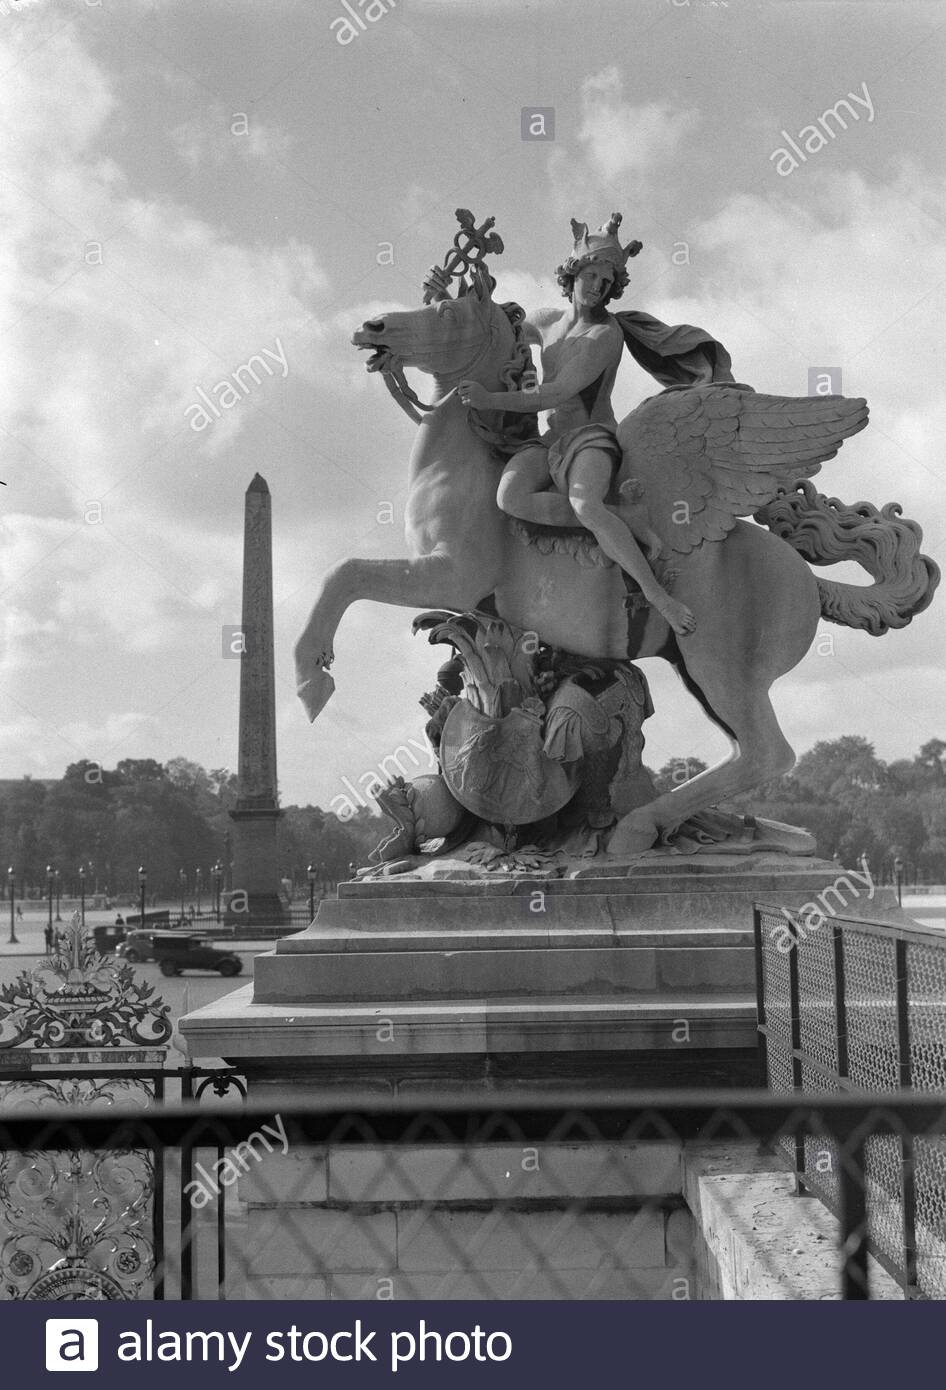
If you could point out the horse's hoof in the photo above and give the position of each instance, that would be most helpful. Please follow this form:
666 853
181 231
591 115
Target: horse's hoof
632 837
315 693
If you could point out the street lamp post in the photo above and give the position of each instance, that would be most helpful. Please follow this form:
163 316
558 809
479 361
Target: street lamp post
898 874
49 895
142 885
182 879
310 874
82 893
58 893
218 889
11 889
197 886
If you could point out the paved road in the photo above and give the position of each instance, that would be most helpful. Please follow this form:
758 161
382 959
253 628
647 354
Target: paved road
927 908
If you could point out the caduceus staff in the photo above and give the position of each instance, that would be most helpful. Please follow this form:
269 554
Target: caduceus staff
470 245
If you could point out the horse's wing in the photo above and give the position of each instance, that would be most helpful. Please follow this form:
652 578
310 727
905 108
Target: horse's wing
709 454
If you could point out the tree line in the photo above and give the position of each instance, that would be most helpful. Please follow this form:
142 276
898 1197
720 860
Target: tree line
856 804
173 816
164 818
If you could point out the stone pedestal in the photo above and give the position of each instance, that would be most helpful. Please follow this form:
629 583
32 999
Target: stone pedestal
401 986
256 898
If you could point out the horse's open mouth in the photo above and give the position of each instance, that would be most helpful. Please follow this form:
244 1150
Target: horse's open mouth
380 352
380 355
379 358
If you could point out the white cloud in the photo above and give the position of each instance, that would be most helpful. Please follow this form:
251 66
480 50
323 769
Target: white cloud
219 136
135 300
626 141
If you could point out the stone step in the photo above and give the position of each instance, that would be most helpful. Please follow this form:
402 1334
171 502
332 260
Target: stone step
319 940
599 912
239 1026
363 976
702 878
476 915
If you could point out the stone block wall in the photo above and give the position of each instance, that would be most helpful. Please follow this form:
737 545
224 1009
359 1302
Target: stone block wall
546 1221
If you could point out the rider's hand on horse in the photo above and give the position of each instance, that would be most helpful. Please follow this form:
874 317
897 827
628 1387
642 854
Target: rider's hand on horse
471 393
437 282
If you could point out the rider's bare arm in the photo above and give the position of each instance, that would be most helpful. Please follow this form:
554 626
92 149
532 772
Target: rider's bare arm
589 358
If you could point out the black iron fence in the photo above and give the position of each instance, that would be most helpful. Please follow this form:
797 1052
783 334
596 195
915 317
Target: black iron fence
848 1006
456 1140
122 1207
209 924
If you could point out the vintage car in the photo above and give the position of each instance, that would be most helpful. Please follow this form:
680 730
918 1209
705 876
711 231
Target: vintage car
176 951
107 938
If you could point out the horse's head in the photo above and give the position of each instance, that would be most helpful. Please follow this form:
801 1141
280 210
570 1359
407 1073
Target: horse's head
468 336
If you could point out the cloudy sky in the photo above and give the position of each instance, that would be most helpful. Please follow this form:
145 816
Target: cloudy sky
185 184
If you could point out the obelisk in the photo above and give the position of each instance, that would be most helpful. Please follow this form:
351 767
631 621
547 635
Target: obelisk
255 896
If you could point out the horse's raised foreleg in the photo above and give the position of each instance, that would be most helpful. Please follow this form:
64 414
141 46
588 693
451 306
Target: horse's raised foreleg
432 581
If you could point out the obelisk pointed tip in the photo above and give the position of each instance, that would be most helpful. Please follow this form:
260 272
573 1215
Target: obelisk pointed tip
258 485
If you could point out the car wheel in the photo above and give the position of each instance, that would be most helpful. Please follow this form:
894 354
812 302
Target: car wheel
169 968
132 956
230 967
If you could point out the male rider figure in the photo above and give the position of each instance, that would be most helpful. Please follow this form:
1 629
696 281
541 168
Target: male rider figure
579 454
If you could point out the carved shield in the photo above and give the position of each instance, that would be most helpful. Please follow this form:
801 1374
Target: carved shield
497 768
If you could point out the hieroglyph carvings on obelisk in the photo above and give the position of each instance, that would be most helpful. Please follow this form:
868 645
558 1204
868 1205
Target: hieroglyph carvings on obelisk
255 895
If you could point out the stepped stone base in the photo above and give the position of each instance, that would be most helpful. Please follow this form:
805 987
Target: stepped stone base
645 976
636 978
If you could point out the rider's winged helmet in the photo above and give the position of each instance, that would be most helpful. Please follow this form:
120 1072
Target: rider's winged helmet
600 247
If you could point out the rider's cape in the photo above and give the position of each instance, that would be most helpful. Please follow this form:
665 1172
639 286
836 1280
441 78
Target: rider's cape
675 355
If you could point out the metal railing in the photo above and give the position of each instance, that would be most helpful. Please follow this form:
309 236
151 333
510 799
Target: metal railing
847 1006
47 1089
848 1123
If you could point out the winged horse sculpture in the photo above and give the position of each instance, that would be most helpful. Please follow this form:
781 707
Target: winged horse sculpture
706 457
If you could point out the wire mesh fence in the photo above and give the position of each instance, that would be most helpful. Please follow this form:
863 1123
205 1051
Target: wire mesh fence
523 1196
848 1006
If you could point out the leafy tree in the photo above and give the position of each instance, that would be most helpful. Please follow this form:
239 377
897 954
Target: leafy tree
842 769
141 770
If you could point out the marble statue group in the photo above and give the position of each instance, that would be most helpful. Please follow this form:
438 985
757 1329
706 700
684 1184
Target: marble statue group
552 556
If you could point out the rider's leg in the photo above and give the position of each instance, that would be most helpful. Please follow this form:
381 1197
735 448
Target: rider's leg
589 479
520 490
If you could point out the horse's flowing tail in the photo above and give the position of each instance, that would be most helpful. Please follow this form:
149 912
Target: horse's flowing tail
825 531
